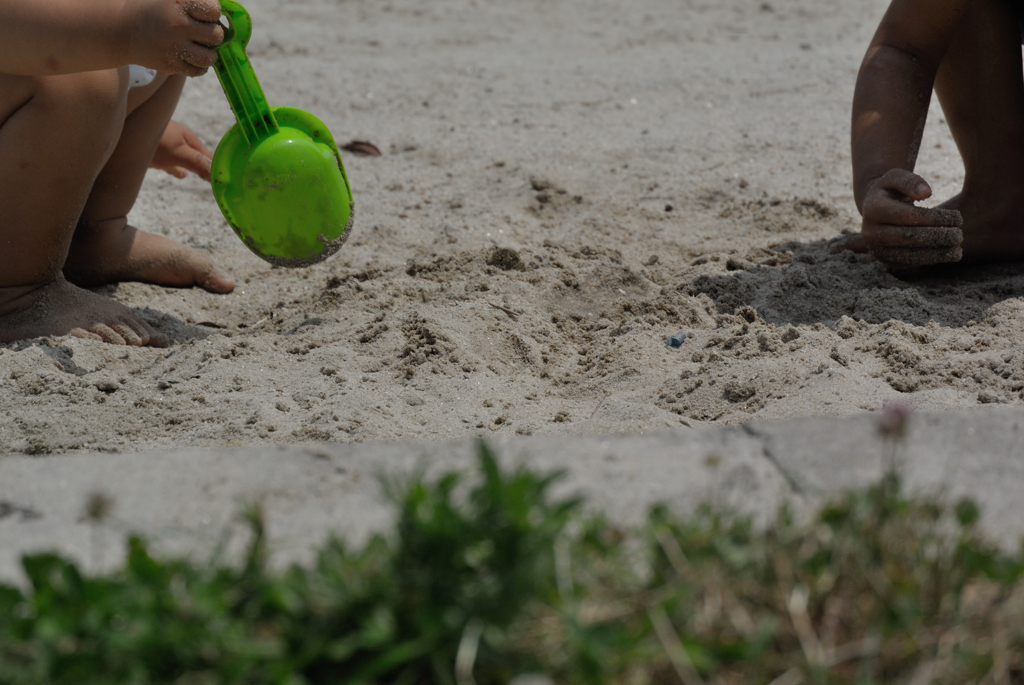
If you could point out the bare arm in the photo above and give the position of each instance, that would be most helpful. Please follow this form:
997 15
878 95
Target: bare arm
889 109
47 37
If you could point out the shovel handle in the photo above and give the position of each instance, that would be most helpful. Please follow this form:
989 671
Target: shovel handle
237 78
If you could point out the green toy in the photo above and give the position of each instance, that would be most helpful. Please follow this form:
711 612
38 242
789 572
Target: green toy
277 174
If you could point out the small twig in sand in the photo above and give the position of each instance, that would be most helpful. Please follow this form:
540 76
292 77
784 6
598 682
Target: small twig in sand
669 639
511 312
599 405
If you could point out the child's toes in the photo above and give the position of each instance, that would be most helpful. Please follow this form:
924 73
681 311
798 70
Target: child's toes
107 334
137 332
215 282
84 334
150 336
129 336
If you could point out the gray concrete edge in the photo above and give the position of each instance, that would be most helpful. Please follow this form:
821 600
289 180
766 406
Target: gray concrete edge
188 501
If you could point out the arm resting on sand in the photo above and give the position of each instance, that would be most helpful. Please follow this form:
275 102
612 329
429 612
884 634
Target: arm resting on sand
890 106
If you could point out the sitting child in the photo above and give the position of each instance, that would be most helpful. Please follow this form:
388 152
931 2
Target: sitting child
75 142
969 52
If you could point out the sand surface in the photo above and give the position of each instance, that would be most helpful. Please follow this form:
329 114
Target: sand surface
564 184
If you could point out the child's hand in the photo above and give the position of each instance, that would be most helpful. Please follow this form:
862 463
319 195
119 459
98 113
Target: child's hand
175 36
898 232
180 151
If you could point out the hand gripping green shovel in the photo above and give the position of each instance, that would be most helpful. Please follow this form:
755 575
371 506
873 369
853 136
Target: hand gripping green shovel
277 174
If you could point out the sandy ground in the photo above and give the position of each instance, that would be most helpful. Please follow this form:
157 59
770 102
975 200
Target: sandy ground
565 184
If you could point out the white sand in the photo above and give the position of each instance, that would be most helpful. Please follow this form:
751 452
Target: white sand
563 130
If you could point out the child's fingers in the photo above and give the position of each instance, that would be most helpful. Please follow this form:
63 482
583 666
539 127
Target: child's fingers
200 156
905 183
187 158
206 33
199 164
203 10
181 171
918 256
193 140
853 243
186 68
894 212
878 236
202 167
190 71
199 56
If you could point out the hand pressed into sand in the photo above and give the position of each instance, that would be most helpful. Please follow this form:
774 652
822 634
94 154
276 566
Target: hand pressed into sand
969 53
898 232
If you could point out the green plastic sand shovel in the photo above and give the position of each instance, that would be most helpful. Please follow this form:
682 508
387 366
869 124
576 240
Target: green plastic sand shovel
277 174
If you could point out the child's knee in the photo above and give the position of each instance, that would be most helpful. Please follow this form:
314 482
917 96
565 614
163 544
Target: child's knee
95 96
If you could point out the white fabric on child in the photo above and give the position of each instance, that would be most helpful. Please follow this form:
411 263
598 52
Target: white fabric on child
140 76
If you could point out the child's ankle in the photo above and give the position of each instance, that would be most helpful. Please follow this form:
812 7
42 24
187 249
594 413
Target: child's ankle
15 298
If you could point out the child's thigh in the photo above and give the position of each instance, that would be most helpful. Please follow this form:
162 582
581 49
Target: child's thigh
90 97
15 92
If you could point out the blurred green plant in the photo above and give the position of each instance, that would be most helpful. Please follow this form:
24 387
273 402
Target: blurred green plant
486 579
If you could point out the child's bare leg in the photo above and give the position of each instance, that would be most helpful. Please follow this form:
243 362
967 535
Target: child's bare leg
981 88
105 249
55 135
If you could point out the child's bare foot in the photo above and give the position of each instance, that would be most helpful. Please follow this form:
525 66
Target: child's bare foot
993 229
59 308
112 252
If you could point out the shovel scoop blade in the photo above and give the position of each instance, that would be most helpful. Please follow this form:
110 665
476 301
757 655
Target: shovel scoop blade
286 197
